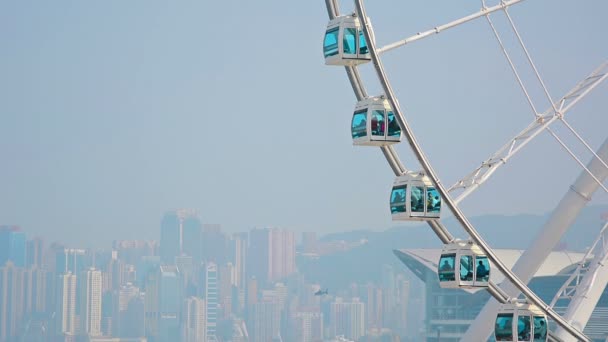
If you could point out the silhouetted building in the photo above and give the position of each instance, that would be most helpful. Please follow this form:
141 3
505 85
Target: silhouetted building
347 318
194 327
271 254
170 237
12 246
192 238
35 249
11 301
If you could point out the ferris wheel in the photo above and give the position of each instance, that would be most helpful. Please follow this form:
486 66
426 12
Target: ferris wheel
419 195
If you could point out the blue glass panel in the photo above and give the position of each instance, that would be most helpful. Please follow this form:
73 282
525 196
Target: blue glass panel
378 123
363 49
466 268
349 41
433 204
523 328
446 267
540 329
482 272
393 126
359 124
503 329
398 199
330 43
417 199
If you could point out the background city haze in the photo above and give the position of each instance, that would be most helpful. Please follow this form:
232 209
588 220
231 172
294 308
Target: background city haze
113 112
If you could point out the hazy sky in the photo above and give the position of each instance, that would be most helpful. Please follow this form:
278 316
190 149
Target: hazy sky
112 112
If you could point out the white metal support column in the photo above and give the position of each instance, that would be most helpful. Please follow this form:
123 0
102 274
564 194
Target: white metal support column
528 264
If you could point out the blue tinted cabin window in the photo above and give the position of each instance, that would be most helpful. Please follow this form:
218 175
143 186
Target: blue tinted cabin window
503 330
378 123
482 270
330 43
417 199
523 328
393 126
433 200
446 267
540 329
359 124
466 268
363 49
398 199
349 41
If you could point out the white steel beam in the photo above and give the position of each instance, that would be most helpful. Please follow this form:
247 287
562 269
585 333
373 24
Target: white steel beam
483 12
473 180
558 223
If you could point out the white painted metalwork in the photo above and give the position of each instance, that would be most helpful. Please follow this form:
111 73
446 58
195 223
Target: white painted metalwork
473 180
564 105
463 264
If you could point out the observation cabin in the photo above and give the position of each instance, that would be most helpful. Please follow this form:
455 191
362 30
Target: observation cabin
472 264
344 42
414 198
520 322
374 123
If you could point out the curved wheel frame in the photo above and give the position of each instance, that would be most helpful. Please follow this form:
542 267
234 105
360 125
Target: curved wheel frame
398 168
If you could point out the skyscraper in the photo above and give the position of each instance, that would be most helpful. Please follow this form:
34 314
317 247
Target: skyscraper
66 304
308 326
163 301
271 254
211 299
12 246
34 252
194 327
11 300
264 321
192 237
347 318
90 302
170 237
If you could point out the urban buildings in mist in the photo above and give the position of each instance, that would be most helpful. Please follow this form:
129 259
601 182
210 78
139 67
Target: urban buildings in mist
196 283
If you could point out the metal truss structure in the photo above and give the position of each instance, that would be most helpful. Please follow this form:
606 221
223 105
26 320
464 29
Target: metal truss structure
586 278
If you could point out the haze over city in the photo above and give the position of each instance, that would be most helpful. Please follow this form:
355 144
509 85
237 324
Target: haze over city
148 143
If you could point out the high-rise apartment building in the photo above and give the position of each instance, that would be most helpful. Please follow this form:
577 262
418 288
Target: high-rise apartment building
211 299
11 300
90 302
264 321
65 314
347 318
12 246
194 327
271 254
308 326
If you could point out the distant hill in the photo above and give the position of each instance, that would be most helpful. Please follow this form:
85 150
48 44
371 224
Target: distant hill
363 264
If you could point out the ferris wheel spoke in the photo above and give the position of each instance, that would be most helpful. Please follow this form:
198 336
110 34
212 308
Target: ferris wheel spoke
473 180
420 35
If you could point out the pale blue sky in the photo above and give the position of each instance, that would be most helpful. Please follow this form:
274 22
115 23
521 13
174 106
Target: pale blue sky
112 112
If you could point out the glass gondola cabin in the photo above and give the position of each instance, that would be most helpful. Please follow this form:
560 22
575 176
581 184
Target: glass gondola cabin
520 322
463 265
414 198
344 42
374 123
